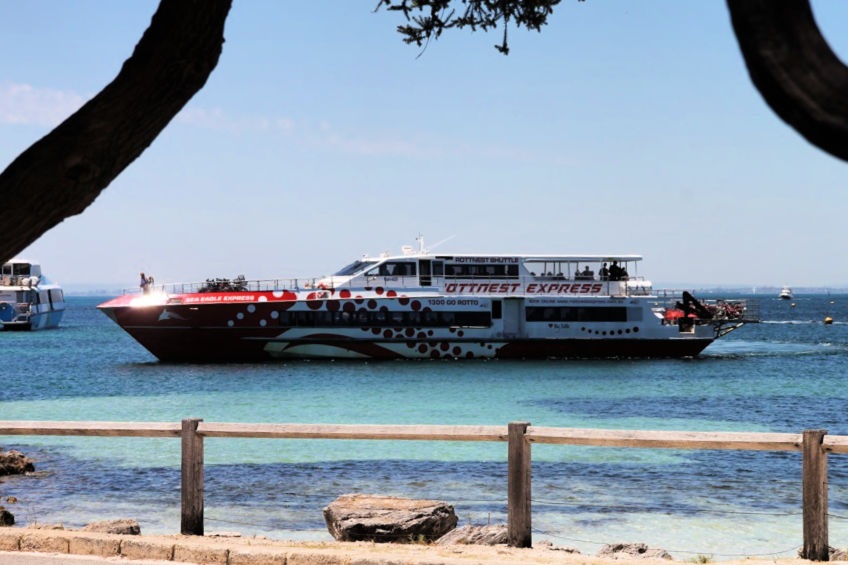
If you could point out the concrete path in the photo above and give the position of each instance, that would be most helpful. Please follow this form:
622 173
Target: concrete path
21 558
25 546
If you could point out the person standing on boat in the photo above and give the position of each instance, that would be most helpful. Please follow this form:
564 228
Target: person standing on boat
615 272
144 283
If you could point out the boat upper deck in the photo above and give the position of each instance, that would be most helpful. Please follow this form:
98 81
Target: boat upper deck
467 274
534 277
21 273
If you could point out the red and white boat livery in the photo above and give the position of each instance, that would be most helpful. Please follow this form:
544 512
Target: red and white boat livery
421 305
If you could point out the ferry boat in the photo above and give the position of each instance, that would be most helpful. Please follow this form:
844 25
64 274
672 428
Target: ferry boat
28 299
785 293
421 305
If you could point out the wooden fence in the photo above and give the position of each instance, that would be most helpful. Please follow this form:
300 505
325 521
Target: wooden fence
814 446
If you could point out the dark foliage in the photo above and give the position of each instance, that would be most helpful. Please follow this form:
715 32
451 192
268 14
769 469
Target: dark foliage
429 18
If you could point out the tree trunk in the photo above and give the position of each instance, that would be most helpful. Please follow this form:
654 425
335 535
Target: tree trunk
65 171
794 69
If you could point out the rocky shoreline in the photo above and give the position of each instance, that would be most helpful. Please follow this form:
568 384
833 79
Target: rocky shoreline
15 463
12 463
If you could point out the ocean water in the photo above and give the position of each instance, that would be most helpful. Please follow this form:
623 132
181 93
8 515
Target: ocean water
786 374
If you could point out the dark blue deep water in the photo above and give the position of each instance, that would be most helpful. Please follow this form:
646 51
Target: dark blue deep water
786 374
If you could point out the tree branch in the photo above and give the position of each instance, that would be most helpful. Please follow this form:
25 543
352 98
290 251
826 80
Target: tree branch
64 172
794 68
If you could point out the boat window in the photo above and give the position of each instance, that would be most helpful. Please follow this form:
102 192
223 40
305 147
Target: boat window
305 318
395 269
355 267
343 318
323 318
494 271
383 318
497 309
22 269
577 314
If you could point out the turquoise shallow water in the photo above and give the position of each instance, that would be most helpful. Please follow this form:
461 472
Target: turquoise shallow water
786 375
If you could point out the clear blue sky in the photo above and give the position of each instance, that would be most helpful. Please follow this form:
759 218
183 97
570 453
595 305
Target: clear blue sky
624 127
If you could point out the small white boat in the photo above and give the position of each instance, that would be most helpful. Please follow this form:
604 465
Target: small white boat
28 300
785 293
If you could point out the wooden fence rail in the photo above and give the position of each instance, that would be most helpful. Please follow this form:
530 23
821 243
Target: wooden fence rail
814 446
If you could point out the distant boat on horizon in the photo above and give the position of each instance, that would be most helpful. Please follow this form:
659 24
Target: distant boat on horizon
785 293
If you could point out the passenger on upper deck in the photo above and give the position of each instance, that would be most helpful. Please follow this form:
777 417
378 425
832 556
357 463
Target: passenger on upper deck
617 273
604 273
586 275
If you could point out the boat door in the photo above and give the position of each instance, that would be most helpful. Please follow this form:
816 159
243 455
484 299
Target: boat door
512 310
427 269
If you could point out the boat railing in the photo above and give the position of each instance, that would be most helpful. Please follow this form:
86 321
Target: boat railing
471 285
230 285
19 280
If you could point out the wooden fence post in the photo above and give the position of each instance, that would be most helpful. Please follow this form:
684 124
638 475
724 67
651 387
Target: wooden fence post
518 487
192 479
814 487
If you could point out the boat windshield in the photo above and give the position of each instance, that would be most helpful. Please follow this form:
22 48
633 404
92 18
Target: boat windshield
355 267
16 269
